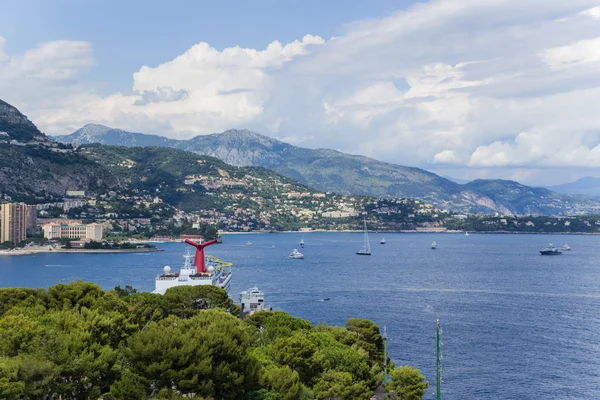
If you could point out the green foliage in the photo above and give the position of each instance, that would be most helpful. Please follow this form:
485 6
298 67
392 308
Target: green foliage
76 341
407 383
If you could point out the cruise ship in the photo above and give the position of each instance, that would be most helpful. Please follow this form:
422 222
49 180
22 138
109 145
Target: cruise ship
203 271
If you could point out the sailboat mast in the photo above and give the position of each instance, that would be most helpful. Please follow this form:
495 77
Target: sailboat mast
438 378
367 245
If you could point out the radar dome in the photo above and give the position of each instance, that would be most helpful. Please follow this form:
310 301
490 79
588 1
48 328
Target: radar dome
167 269
211 269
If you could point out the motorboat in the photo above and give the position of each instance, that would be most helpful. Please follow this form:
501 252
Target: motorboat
433 245
550 250
296 255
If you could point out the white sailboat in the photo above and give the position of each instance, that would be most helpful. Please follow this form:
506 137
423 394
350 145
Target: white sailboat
366 250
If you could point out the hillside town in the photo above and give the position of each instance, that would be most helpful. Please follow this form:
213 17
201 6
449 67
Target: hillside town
134 215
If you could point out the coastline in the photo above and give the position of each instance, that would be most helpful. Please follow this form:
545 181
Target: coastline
27 252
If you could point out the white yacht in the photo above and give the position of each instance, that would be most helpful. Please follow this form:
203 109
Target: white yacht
382 241
302 243
466 233
433 245
566 247
203 271
296 255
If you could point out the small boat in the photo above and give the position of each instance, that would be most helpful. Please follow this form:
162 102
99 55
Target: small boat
302 243
466 233
433 245
296 255
550 250
248 243
327 299
366 250
382 241
566 247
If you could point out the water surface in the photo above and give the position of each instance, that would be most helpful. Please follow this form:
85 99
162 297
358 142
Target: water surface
516 325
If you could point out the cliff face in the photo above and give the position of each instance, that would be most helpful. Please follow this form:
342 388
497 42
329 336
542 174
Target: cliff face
33 167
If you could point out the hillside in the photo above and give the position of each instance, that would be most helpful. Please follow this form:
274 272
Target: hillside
33 167
249 198
330 170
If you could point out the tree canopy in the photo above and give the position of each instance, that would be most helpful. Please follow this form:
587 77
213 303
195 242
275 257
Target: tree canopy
76 341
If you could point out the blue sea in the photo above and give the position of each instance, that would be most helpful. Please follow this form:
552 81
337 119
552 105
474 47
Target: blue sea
516 325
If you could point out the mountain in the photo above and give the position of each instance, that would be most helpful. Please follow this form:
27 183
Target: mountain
331 170
33 167
94 133
588 186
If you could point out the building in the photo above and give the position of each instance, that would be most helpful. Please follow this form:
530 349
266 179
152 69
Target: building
73 231
13 222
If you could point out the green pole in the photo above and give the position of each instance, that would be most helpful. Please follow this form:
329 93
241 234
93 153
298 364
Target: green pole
385 363
438 363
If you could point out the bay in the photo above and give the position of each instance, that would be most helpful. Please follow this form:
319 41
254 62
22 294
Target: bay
516 325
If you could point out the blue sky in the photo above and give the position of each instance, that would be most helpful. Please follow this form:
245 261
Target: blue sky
465 88
128 34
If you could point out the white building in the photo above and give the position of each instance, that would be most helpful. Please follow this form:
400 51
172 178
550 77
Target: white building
74 231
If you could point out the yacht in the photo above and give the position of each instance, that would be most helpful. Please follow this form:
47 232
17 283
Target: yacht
382 241
203 271
566 247
296 255
366 250
251 301
433 245
466 233
550 250
302 243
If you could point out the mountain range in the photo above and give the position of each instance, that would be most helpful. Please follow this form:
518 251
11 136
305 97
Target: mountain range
588 186
331 170
33 167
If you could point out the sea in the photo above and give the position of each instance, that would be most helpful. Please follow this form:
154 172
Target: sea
515 324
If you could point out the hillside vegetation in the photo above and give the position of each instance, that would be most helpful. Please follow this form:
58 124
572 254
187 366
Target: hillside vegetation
330 170
34 168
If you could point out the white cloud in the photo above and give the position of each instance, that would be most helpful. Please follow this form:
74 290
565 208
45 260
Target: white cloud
481 84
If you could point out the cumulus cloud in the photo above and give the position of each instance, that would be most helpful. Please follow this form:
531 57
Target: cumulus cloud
480 84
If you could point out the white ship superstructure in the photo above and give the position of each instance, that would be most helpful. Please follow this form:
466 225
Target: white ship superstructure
204 271
251 300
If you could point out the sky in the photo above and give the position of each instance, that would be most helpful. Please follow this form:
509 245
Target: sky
464 88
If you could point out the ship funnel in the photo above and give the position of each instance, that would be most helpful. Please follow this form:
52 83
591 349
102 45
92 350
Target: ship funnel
199 261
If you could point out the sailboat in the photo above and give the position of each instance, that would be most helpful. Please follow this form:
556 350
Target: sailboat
366 250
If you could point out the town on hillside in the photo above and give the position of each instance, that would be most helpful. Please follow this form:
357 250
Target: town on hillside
83 220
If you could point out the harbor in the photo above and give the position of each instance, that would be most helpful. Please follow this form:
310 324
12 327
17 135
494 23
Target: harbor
505 309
